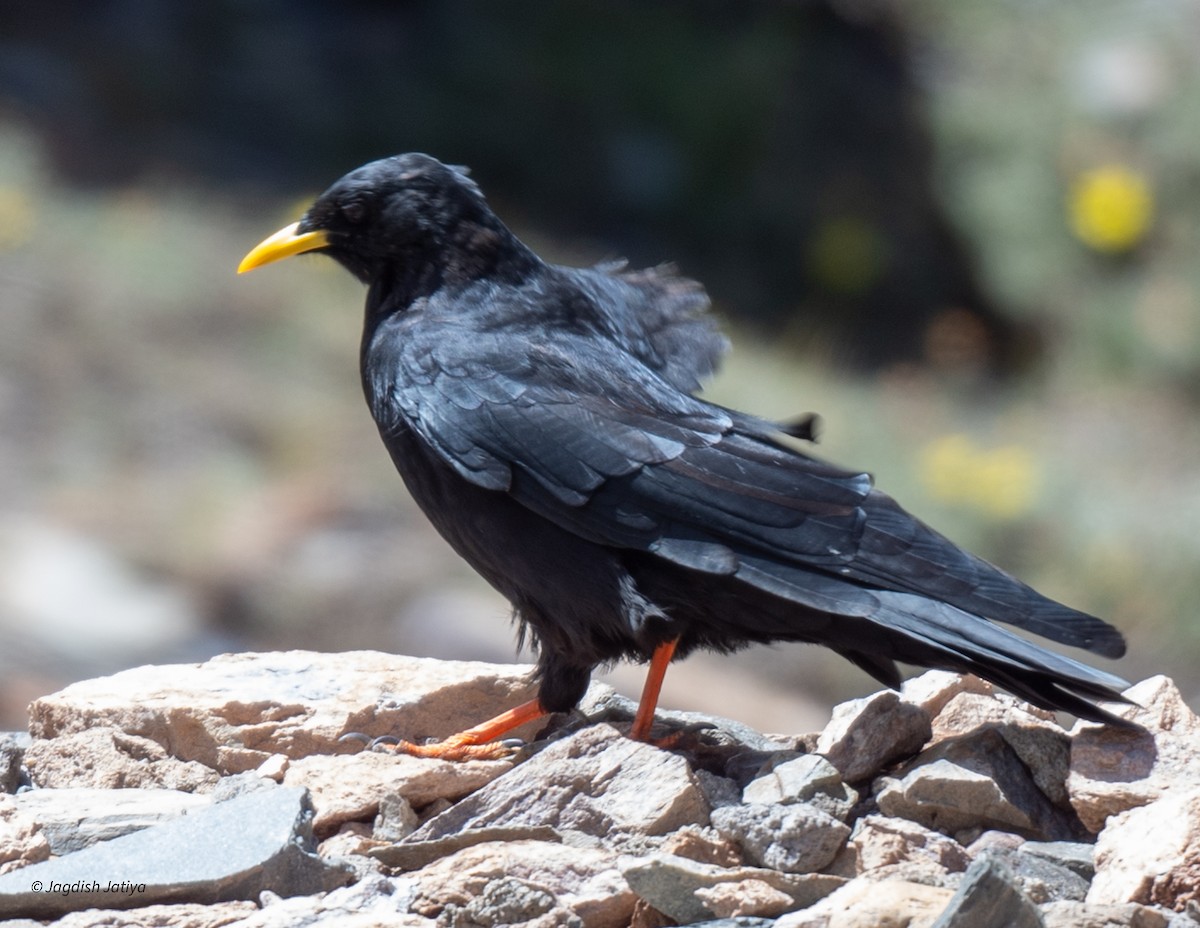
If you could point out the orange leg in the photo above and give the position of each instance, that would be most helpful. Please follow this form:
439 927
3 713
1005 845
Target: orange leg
478 743
654 679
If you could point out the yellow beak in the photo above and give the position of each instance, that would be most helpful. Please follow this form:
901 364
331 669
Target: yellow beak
283 244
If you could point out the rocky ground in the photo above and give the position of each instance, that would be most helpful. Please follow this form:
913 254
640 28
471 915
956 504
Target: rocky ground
214 794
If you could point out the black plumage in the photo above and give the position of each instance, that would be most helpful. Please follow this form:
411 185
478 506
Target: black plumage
544 418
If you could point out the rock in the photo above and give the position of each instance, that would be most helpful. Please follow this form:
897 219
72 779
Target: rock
414 854
231 850
22 841
12 754
865 735
887 843
866 904
596 781
1151 854
182 915
796 838
718 790
704 845
1040 879
234 712
973 781
933 689
72 819
108 758
347 788
1069 914
988 897
1115 769
373 901
810 778
745 897
584 882
1033 734
1074 855
672 885
396 819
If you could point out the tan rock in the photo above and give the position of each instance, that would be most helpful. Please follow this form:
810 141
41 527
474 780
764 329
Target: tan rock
1115 769
887 842
108 758
745 897
866 904
234 712
584 881
1151 854
348 788
182 915
934 688
1070 914
1033 734
864 735
21 839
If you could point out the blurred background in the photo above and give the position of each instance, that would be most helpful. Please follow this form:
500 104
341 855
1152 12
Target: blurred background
964 231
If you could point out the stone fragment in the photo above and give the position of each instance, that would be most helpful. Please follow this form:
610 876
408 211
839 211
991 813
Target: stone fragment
12 753
1151 854
973 781
22 841
865 735
585 882
1033 734
72 819
744 898
1115 769
348 788
180 915
232 713
1069 914
934 688
1040 879
867 904
596 781
988 897
809 778
705 845
231 850
671 884
396 819
413 854
1076 856
883 842
273 768
108 758
373 902
796 838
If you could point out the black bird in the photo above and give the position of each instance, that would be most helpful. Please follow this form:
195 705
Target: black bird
543 417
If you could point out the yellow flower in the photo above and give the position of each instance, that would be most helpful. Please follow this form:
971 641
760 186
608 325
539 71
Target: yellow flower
1110 208
1001 483
16 217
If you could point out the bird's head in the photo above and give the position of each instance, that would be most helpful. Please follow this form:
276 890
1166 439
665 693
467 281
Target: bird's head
407 218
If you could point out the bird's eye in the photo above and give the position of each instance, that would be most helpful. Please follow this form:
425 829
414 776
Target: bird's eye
354 211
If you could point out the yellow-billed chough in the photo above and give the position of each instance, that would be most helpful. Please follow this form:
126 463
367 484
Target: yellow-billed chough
543 417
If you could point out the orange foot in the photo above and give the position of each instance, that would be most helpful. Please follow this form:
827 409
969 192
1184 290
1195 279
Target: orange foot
478 743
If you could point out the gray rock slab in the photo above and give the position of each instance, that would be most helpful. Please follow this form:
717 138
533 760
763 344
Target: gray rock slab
232 850
1076 856
1039 878
671 884
596 781
796 838
989 897
73 819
